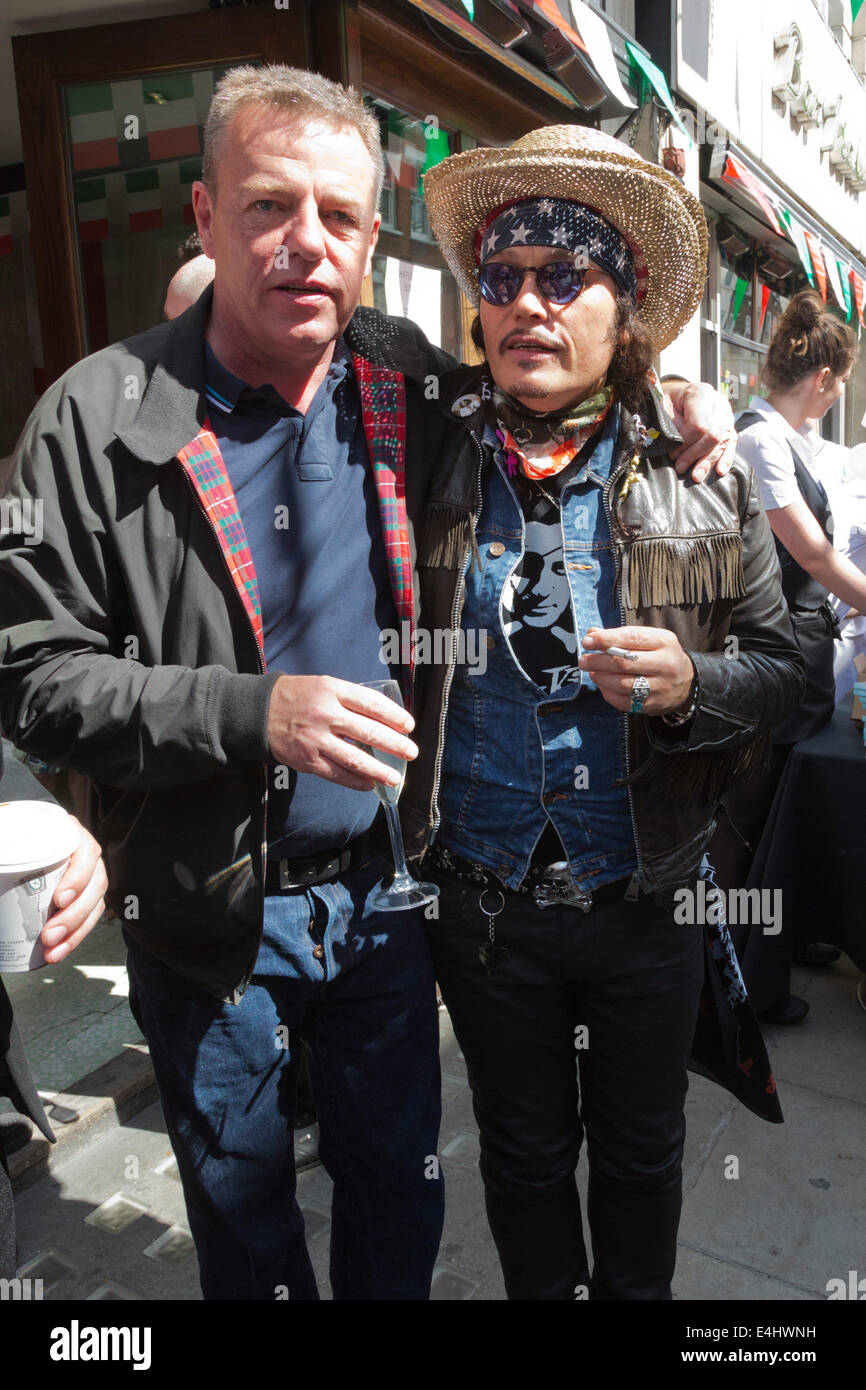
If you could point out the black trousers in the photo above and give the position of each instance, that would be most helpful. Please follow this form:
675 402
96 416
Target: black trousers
612 995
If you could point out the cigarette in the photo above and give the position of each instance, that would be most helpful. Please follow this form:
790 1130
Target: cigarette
621 651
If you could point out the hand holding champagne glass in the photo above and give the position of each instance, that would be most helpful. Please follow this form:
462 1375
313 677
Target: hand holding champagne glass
403 891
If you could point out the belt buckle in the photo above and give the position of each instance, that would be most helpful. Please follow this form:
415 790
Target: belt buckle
558 890
287 881
306 877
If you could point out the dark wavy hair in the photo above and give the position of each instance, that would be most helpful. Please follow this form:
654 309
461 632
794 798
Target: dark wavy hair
632 357
807 338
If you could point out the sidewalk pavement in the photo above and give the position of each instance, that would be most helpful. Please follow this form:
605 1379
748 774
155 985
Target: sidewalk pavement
770 1212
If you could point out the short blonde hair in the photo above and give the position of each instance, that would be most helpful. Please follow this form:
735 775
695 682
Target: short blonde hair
305 95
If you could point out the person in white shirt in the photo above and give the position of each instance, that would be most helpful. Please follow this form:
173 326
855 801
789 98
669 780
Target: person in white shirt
843 474
809 359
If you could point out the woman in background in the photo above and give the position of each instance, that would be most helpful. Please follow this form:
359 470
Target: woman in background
809 359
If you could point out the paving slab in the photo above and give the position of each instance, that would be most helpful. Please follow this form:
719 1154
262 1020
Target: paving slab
112 1215
74 1016
797 1210
706 1277
827 1051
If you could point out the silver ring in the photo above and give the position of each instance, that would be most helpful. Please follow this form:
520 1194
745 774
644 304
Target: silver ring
640 691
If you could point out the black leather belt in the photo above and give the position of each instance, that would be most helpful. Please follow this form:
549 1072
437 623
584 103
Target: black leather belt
283 874
550 885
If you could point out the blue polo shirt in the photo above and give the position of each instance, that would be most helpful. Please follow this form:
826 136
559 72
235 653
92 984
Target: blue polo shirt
307 498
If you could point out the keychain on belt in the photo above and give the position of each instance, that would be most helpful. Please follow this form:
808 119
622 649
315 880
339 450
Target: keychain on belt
491 955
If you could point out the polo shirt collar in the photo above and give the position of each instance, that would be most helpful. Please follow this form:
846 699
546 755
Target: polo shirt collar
174 406
224 390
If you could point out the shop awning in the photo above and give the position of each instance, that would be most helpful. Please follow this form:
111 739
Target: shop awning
828 264
575 40
459 23
501 20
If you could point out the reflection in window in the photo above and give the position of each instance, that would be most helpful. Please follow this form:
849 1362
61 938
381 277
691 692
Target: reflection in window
771 307
735 294
411 146
740 373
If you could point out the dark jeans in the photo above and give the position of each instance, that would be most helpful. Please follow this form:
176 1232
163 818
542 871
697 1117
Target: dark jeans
631 978
358 987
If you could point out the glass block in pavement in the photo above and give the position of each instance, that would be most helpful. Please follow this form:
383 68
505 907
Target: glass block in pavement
168 1168
172 1247
116 1214
50 1266
314 1220
114 1292
450 1286
463 1147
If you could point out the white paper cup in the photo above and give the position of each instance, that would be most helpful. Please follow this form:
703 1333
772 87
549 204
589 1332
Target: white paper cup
37 839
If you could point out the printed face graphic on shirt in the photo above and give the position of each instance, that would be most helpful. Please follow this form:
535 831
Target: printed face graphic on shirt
536 609
539 587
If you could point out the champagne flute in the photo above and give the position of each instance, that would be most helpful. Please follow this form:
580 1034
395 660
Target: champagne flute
402 891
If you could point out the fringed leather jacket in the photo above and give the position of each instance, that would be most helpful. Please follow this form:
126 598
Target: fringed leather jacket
697 559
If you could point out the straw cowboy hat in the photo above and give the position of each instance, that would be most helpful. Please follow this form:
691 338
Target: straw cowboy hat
660 220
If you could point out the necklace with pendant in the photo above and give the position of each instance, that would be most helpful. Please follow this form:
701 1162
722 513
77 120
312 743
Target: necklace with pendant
543 490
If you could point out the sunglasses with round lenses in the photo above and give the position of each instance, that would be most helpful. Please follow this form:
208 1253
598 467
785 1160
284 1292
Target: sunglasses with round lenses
560 282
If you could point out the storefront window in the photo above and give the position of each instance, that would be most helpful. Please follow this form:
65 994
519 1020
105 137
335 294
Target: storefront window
409 277
735 294
740 373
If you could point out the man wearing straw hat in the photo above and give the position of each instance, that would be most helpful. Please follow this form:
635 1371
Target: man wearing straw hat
569 790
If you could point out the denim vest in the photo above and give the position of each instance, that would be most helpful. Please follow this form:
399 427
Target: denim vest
515 758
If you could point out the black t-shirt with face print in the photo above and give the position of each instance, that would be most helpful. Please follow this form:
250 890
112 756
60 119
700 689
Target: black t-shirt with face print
536 603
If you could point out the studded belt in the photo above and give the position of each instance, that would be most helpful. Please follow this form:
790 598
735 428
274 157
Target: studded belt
549 885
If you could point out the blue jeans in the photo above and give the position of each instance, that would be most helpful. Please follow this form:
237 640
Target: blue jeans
356 986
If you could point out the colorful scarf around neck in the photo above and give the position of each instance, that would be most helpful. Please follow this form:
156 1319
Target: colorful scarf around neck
540 446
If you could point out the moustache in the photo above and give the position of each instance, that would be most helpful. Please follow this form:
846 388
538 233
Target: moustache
528 340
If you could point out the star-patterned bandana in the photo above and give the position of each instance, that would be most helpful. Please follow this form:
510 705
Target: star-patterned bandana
559 222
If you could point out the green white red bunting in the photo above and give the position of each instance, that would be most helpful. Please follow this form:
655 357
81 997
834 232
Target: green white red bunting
834 280
765 299
845 273
859 295
735 172
814 245
798 237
